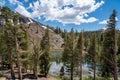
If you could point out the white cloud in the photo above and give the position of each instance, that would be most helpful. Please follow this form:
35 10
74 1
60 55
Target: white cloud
116 19
104 28
26 0
2 2
22 11
103 22
64 11
14 2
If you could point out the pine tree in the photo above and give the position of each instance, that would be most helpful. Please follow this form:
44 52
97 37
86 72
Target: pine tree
118 53
14 38
68 53
3 49
45 58
109 66
37 53
8 36
92 53
79 49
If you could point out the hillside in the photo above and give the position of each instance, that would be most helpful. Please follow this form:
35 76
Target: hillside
36 30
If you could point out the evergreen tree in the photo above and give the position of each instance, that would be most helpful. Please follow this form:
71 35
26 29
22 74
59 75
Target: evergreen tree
8 36
37 53
3 49
68 53
45 58
14 38
109 64
79 49
118 53
92 53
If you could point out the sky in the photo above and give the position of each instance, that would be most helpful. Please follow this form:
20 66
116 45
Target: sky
87 15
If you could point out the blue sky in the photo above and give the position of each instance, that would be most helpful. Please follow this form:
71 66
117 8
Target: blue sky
85 15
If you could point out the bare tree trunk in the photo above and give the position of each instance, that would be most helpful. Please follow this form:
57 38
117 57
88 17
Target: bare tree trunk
19 67
80 66
115 72
115 59
18 60
11 63
35 66
94 68
72 68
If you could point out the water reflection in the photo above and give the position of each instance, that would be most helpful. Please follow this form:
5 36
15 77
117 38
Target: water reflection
56 65
55 68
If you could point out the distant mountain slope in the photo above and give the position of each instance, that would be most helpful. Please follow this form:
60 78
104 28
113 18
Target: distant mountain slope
36 30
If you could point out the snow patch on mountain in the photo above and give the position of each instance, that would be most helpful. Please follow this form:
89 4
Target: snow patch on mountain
30 21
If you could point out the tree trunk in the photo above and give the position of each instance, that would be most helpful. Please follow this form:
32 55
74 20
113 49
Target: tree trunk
10 57
115 72
11 63
72 68
115 59
18 60
81 66
35 66
94 67
19 68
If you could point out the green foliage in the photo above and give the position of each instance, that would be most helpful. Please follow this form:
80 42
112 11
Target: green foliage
2 43
92 51
118 53
4 13
68 53
45 58
14 37
107 53
25 41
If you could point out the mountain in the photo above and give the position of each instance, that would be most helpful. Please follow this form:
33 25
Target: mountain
36 30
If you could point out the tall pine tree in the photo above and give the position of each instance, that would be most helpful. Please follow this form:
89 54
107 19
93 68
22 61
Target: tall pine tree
45 58
79 49
109 51
68 53
8 35
92 53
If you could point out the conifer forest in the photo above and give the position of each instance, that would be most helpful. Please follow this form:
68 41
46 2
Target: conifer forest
33 50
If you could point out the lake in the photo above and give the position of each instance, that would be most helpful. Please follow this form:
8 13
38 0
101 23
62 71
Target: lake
56 64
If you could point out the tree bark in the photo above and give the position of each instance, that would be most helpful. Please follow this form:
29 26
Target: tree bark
10 56
72 68
35 66
94 68
18 60
115 59
11 63
81 66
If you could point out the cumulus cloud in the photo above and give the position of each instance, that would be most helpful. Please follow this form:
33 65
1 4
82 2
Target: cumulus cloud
64 11
14 2
22 11
103 22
